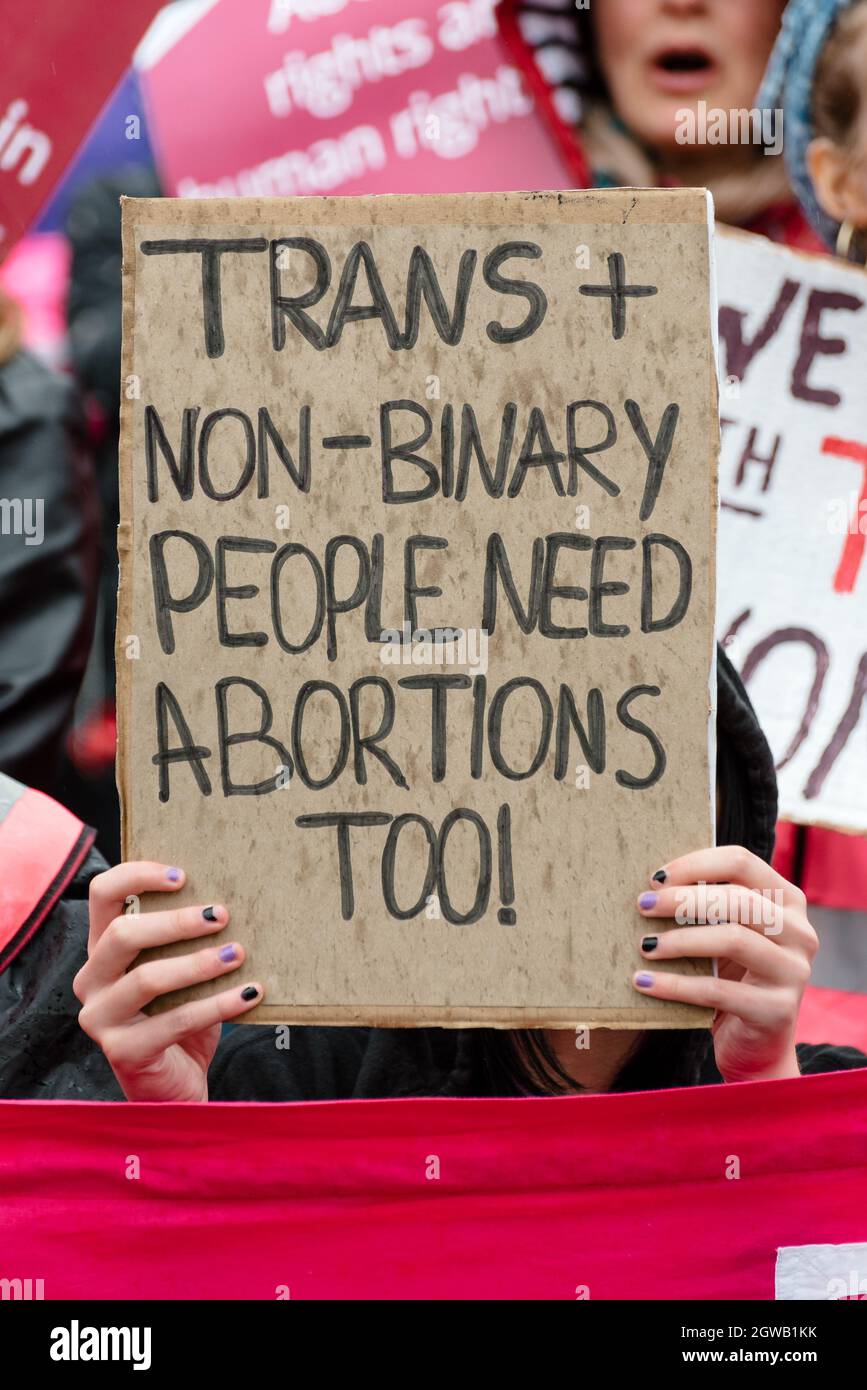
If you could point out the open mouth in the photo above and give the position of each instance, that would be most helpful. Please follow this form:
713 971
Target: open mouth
692 60
683 69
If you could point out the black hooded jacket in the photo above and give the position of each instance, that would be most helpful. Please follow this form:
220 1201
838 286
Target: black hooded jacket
47 590
44 1053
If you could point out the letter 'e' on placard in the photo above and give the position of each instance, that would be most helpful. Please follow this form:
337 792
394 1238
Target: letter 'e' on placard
415 635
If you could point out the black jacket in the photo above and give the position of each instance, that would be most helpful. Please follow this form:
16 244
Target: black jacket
94 320
44 1053
47 590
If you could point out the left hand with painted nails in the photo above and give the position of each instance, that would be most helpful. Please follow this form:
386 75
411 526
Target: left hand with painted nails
754 922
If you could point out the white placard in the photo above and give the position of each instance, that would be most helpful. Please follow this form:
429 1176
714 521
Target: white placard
792 588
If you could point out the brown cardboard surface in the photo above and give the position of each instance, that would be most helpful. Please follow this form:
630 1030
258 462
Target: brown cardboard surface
583 844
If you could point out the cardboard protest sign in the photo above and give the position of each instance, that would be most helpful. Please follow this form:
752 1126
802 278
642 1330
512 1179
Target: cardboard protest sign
793 518
415 635
336 96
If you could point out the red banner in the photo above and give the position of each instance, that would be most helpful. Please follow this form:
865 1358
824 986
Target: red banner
59 63
670 1195
833 1013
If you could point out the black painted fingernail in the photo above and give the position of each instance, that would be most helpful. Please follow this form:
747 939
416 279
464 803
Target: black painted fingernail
249 993
649 943
209 914
660 876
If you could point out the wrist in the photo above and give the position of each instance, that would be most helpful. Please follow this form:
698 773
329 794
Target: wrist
780 1069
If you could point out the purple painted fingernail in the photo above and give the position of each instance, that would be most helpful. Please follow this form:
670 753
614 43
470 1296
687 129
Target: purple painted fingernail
648 900
227 954
173 875
643 979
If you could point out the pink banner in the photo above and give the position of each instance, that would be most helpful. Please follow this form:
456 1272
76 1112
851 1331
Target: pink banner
281 97
60 63
673 1195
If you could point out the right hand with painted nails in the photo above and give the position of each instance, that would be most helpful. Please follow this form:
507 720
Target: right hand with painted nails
164 1057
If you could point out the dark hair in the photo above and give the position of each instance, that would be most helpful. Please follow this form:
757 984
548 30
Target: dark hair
524 1063
838 81
571 37
593 83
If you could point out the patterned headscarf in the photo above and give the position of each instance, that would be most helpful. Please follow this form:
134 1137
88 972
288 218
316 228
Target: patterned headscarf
788 83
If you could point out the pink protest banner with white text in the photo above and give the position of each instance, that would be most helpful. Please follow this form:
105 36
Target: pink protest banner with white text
685 1194
278 97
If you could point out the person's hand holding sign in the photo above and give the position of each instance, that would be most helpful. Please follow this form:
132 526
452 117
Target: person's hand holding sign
165 1057
754 922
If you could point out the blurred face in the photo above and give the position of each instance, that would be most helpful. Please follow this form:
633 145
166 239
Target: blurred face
855 201
661 56
838 174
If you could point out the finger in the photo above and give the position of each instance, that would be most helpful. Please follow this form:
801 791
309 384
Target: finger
141 1042
110 890
726 864
765 911
748 1002
730 941
126 998
125 937
712 903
